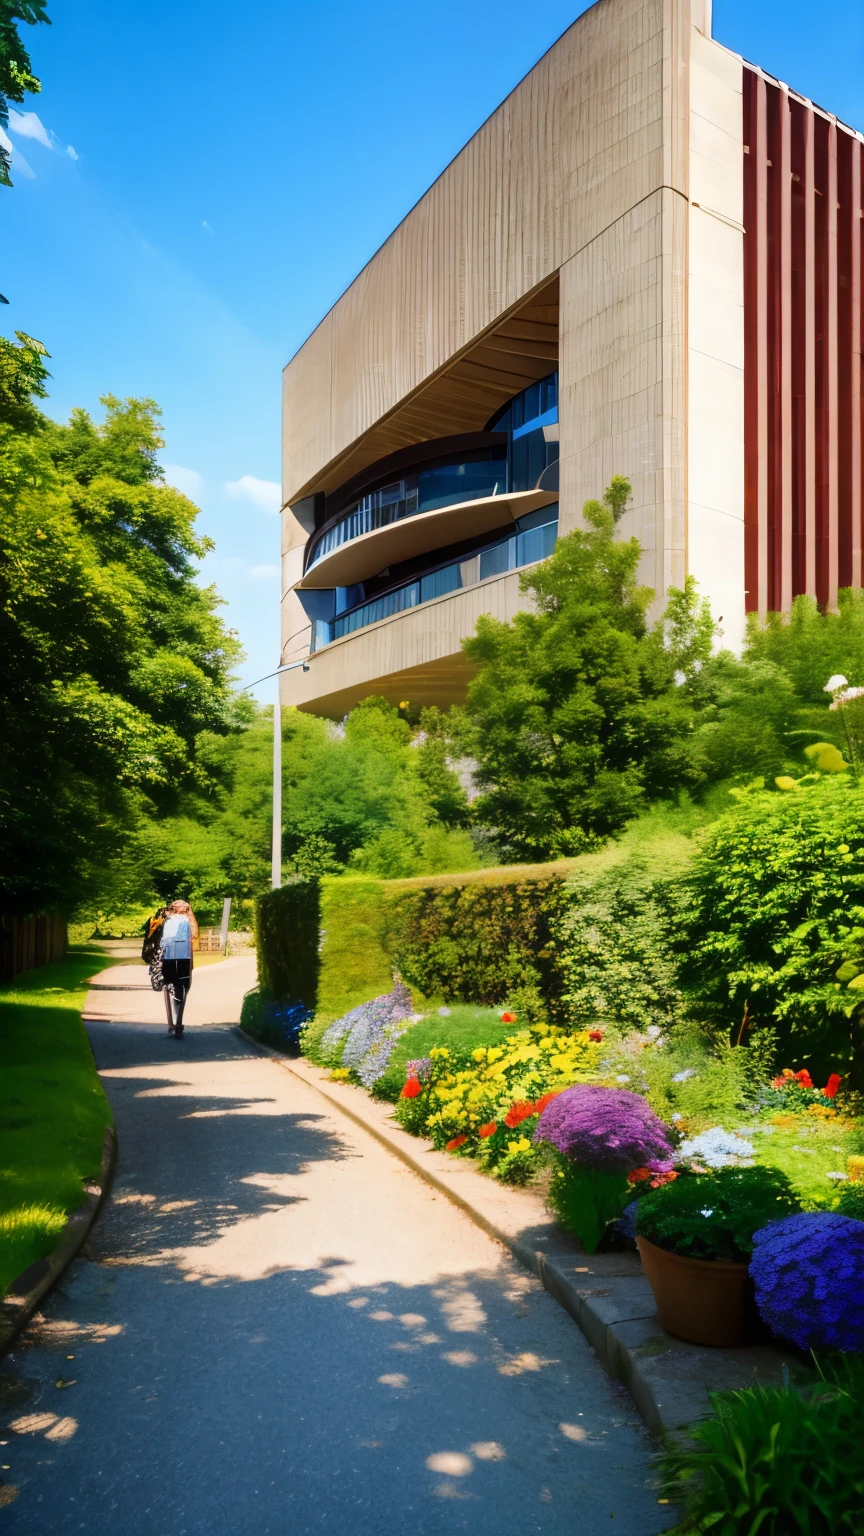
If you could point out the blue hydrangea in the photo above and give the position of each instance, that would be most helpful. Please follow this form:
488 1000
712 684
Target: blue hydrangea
808 1271
368 1033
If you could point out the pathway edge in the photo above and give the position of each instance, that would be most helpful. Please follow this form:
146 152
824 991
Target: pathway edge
668 1380
27 1290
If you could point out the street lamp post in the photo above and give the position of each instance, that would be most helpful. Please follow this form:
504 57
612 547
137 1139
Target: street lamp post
276 847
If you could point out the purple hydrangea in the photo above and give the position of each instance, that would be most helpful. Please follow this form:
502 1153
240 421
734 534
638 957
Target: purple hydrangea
369 1033
606 1129
808 1271
421 1069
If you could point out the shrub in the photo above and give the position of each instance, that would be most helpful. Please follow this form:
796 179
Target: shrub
770 912
777 1460
714 1215
287 928
599 1136
809 1276
616 954
477 940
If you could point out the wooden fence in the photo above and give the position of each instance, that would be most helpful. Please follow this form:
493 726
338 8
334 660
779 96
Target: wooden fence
27 942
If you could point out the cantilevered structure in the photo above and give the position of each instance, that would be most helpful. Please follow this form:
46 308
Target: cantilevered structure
646 262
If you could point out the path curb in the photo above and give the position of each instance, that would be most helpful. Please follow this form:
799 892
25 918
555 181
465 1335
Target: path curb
27 1290
669 1380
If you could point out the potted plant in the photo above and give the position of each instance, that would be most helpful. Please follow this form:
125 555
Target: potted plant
695 1239
598 1137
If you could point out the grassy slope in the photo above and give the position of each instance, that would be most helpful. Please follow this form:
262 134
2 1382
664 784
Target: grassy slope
53 1111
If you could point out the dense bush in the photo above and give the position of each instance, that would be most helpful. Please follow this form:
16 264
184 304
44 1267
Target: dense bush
616 953
772 910
478 940
462 1028
288 924
780 1461
714 1215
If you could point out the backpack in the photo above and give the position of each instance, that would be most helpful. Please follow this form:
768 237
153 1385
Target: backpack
152 935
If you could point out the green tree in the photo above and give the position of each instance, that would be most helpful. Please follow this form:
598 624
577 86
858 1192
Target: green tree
115 660
578 715
16 72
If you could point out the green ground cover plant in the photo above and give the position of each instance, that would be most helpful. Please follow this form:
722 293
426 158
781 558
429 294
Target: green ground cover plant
777 1461
53 1111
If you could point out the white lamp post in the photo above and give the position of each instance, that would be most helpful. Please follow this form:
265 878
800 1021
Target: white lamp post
276 847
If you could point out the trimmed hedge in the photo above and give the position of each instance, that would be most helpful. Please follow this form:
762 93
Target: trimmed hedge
478 941
288 923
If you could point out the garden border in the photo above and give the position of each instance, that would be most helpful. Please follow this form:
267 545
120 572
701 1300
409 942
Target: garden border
669 1380
27 1290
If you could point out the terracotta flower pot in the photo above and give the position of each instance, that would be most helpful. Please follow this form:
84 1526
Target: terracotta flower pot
705 1301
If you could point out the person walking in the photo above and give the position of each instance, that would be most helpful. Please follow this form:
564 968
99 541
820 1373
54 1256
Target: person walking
179 932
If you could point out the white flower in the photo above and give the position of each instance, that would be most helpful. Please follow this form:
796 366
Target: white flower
681 1077
677 1116
623 1078
707 1210
445 1012
836 1175
717 1148
653 1030
835 682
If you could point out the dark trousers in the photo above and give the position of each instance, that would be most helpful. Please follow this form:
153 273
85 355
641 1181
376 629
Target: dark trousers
177 975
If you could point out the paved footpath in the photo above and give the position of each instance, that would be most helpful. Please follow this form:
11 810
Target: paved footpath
277 1327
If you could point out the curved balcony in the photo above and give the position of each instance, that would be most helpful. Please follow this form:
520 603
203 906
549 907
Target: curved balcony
363 556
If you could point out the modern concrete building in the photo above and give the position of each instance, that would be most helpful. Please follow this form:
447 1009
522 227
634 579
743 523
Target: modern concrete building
646 262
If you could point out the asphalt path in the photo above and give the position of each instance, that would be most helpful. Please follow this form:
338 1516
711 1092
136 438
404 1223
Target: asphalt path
277 1327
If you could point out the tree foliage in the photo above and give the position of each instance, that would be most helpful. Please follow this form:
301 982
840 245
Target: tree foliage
578 710
16 71
115 660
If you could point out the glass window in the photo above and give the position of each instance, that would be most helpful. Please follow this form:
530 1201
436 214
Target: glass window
448 580
498 559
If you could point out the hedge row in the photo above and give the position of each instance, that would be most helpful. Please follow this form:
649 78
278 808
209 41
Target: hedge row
288 925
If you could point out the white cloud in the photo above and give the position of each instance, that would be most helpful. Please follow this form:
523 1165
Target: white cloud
263 572
205 225
29 126
265 494
18 161
186 480
72 153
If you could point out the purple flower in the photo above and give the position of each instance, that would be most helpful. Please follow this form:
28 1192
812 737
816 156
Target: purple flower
606 1129
808 1271
421 1069
368 1034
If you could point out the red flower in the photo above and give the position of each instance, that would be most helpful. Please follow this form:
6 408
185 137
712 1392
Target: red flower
546 1099
832 1085
638 1175
803 1078
489 1129
508 1018
595 1034
456 1143
663 1178
519 1112
412 1087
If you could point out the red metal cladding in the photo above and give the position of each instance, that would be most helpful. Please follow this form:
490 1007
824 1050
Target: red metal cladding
803 461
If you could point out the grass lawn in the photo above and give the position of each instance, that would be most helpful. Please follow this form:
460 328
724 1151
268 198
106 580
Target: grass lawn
807 1150
53 1111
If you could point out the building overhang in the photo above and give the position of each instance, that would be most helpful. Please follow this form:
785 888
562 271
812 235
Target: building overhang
420 534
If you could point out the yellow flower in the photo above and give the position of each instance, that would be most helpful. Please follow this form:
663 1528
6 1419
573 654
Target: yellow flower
522 1145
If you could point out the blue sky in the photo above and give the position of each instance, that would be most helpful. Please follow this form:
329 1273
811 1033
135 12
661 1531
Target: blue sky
200 183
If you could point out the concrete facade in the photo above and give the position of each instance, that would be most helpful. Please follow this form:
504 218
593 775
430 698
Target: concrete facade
595 224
